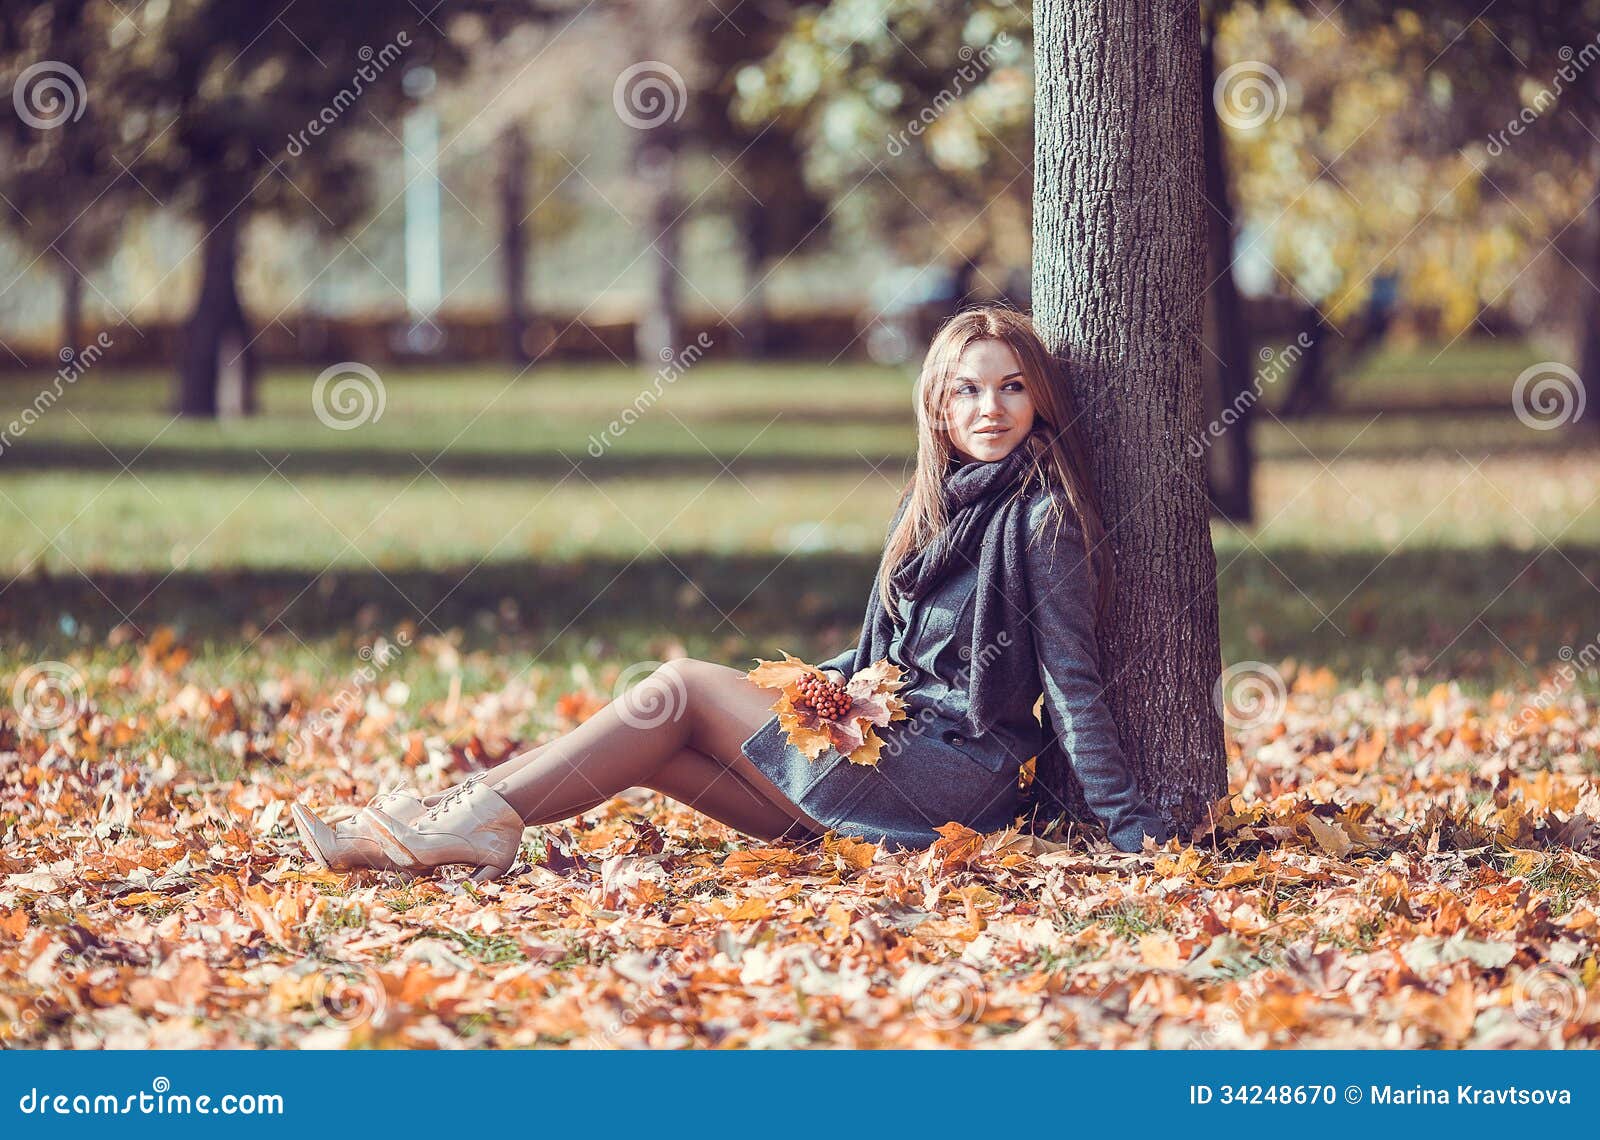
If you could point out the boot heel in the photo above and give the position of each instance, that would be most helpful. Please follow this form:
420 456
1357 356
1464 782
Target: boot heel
489 871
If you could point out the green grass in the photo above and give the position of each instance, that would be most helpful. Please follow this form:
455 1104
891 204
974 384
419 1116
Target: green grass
743 512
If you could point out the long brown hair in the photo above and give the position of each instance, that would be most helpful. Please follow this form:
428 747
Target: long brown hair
1060 462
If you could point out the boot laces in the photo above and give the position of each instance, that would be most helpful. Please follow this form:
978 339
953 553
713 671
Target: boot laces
454 794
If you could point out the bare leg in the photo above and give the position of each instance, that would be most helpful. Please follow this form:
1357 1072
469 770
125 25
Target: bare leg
691 705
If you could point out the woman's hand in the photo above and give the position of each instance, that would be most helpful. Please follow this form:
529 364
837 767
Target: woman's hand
836 677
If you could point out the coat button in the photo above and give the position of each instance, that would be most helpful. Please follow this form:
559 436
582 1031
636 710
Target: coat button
956 738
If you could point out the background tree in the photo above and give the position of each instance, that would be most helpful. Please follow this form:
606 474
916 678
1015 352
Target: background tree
63 189
775 212
915 119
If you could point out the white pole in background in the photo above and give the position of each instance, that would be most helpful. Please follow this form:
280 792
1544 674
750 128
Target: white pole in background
423 243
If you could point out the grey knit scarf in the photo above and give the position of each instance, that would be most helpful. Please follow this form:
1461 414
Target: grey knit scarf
986 509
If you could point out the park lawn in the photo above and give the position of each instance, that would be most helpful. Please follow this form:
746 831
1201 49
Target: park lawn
743 509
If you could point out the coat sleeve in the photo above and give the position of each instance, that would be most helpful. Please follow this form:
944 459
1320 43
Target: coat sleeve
1061 590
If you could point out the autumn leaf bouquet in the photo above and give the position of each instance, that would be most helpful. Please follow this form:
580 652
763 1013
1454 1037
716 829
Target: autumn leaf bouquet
816 713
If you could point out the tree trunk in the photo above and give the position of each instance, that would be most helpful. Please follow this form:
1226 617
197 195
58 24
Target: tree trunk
1119 255
514 241
753 327
1587 411
217 372
1231 458
1309 390
659 334
71 308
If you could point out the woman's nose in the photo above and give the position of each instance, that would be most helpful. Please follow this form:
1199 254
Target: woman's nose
989 401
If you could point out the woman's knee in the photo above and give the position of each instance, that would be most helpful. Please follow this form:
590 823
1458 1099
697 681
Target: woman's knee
666 696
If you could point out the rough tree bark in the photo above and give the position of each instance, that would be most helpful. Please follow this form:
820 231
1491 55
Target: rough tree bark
1119 259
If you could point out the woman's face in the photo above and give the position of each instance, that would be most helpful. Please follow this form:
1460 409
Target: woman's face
988 408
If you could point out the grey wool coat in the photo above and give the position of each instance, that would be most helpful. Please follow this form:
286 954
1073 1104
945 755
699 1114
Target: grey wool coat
929 772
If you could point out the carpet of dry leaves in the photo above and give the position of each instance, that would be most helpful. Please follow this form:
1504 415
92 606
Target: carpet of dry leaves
1398 865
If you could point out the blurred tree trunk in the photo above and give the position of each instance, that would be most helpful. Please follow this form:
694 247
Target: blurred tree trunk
217 371
753 327
1589 303
1119 264
1231 458
514 158
1310 389
71 307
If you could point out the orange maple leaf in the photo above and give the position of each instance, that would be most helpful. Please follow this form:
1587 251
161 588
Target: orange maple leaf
873 703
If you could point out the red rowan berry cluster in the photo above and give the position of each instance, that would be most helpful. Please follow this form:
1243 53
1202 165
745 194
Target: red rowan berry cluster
823 696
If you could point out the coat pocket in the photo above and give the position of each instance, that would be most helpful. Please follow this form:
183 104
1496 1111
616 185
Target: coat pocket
987 752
